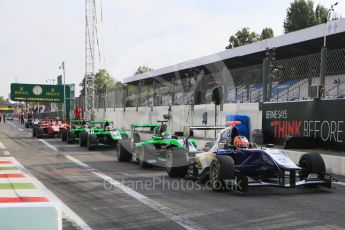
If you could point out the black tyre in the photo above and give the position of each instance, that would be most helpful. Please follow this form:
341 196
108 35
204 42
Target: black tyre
63 135
39 132
221 168
311 163
177 163
83 139
92 142
144 154
27 125
34 132
123 151
70 137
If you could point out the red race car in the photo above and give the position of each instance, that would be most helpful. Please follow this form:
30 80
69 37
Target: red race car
47 128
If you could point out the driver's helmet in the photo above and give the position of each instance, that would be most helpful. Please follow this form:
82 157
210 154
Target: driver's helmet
85 126
108 128
166 135
241 142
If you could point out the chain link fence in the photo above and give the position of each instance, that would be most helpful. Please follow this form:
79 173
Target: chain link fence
289 79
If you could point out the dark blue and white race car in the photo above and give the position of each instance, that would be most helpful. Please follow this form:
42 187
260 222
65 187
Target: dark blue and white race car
237 167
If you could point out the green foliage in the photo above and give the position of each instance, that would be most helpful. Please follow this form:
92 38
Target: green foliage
142 69
266 33
301 14
245 36
2 100
103 81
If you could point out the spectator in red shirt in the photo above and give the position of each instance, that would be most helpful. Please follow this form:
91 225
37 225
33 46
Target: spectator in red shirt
77 113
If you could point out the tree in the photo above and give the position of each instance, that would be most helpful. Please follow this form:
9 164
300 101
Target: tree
103 81
245 36
2 100
301 14
266 33
142 69
321 14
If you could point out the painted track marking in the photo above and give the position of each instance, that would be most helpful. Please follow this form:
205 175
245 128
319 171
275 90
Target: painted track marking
6 153
2 146
51 196
167 212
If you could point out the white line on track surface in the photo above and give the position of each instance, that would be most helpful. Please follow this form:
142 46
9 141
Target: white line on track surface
167 212
6 153
2 146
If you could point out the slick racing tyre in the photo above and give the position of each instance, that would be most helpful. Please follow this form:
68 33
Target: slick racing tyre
39 132
176 163
311 163
63 135
27 125
123 153
83 139
221 169
144 154
70 137
34 131
92 142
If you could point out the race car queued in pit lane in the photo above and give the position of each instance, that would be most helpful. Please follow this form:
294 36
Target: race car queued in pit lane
230 163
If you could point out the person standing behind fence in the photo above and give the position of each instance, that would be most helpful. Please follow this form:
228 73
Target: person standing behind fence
77 113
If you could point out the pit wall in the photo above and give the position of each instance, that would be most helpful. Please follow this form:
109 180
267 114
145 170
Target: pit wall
182 115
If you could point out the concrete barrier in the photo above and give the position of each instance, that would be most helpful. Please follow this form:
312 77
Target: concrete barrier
182 115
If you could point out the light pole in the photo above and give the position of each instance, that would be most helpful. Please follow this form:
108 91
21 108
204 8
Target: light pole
64 90
324 48
51 81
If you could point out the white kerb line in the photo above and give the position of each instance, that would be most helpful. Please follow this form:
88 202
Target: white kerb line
6 153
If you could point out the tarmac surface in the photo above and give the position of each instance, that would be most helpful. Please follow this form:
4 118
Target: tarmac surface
108 194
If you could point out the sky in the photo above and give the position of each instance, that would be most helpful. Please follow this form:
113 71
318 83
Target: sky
37 35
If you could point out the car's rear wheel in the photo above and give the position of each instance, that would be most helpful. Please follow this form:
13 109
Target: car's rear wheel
34 132
27 125
92 142
311 163
63 135
176 163
70 137
142 156
39 132
83 139
123 151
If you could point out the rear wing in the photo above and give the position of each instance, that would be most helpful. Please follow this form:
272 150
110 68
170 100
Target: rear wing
101 122
145 125
188 130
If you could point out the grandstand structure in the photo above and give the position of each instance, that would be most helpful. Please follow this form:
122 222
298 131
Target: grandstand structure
294 65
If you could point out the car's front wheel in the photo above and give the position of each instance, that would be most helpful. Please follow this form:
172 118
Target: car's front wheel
311 163
123 152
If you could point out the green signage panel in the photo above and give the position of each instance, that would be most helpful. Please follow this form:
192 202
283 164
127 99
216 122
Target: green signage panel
38 93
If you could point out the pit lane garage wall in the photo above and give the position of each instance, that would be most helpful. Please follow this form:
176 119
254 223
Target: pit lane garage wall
322 120
181 115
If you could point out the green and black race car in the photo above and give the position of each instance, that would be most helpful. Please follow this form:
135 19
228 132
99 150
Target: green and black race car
71 134
153 150
101 134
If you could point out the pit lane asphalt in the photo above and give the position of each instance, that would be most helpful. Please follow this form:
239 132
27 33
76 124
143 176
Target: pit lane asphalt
103 206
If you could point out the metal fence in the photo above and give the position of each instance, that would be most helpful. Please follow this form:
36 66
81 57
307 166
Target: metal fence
289 79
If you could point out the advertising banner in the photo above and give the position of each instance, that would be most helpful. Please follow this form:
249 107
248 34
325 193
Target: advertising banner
323 120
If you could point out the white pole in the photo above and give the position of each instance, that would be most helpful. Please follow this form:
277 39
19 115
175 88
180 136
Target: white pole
64 91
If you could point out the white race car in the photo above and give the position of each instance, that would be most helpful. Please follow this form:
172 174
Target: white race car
228 167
